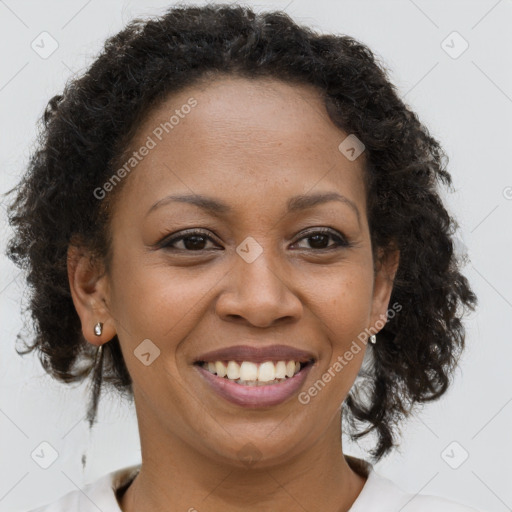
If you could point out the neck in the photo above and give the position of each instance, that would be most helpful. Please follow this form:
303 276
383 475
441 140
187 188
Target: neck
175 476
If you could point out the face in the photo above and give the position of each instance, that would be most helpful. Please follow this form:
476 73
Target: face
265 267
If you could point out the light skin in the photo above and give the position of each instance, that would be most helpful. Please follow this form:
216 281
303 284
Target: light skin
252 144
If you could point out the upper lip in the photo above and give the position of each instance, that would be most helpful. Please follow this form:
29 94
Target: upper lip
256 354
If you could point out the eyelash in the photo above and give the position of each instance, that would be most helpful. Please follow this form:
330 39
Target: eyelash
342 242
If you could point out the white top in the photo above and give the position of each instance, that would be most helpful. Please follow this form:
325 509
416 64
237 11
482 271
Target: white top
378 495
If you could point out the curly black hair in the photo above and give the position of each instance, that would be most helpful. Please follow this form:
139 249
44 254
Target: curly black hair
86 129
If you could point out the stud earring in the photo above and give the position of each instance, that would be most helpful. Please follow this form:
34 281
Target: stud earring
373 339
98 328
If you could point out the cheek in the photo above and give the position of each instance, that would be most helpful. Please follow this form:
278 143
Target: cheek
344 307
164 307
158 302
343 301
150 306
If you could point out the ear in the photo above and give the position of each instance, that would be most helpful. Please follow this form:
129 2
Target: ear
385 270
89 287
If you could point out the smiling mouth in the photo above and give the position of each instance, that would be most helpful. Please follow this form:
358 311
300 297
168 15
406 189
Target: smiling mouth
249 373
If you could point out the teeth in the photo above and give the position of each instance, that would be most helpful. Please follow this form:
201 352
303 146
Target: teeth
220 369
267 372
251 374
248 371
233 372
280 370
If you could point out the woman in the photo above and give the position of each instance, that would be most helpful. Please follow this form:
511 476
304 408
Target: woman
223 211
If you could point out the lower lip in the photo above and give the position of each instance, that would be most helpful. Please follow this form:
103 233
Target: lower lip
255 396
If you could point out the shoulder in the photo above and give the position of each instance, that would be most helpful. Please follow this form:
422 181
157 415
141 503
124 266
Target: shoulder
380 494
97 495
69 501
424 503
399 500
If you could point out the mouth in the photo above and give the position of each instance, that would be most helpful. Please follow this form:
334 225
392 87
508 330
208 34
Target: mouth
255 377
249 373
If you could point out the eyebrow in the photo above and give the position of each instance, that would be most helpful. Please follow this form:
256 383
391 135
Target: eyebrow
218 208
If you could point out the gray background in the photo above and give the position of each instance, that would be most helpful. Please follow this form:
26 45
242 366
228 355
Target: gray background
466 102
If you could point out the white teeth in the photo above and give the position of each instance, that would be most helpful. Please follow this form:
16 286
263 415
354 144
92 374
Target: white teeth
290 368
280 370
233 370
220 369
251 374
267 372
248 371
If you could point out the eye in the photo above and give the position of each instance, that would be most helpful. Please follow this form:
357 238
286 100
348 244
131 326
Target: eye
319 238
196 240
192 240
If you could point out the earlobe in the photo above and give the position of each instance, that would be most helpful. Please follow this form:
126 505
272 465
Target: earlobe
89 290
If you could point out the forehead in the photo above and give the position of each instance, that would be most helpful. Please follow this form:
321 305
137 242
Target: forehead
243 138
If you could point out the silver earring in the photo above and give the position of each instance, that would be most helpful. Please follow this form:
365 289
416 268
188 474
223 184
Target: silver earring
373 339
98 328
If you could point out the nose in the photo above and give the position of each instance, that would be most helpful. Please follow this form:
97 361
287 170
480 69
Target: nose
258 293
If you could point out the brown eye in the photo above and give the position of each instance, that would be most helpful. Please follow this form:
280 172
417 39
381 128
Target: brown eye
319 240
191 241
195 241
